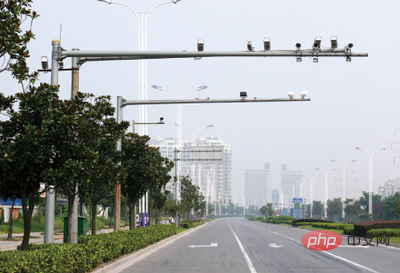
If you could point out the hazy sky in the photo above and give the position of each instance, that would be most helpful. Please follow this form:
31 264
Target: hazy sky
352 104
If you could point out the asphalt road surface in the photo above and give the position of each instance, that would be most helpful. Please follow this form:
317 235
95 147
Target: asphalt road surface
238 245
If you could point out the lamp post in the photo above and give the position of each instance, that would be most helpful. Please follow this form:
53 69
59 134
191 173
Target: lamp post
371 155
311 192
142 17
143 201
343 185
326 191
179 108
178 130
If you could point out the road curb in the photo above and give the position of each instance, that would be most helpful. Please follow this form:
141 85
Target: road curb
134 257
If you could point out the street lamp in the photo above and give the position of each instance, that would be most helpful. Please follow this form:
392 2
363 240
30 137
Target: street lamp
311 192
141 17
371 154
343 185
144 200
326 191
179 108
179 121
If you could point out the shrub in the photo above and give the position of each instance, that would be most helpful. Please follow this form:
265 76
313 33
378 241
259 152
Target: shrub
361 228
349 230
303 224
310 220
190 224
331 225
84 256
254 218
391 232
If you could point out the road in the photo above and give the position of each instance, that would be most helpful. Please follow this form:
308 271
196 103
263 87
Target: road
238 245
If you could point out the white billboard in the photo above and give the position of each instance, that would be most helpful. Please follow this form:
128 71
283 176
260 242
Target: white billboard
206 154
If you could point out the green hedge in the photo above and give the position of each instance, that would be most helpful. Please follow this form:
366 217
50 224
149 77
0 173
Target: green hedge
84 256
332 225
391 232
303 224
190 224
349 230
361 228
310 220
284 219
273 221
254 218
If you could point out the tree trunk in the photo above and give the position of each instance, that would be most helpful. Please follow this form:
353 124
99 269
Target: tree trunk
104 212
110 224
132 217
27 215
10 227
70 210
126 215
94 213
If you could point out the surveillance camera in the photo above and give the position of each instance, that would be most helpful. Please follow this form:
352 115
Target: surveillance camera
243 95
303 94
290 94
200 45
249 46
267 43
334 42
348 47
161 119
317 42
45 63
298 46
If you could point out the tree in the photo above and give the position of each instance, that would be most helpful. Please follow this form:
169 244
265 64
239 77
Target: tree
105 168
145 170
192 198
389 205
267 210
160 167
318 209
26 146
263 211
352 209
13 40
334 208
78 129
364 200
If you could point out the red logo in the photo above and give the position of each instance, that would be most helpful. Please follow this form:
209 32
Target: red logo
321 240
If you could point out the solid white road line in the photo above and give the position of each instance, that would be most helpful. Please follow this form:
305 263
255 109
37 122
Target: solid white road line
246 257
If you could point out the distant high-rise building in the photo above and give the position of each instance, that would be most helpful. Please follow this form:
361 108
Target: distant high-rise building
275 198
214 180
289 186
257 186
390 188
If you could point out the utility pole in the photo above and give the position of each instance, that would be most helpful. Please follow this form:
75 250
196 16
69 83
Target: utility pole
73 227
50 195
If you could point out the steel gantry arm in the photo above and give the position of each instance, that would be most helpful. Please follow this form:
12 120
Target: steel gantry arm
107 55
